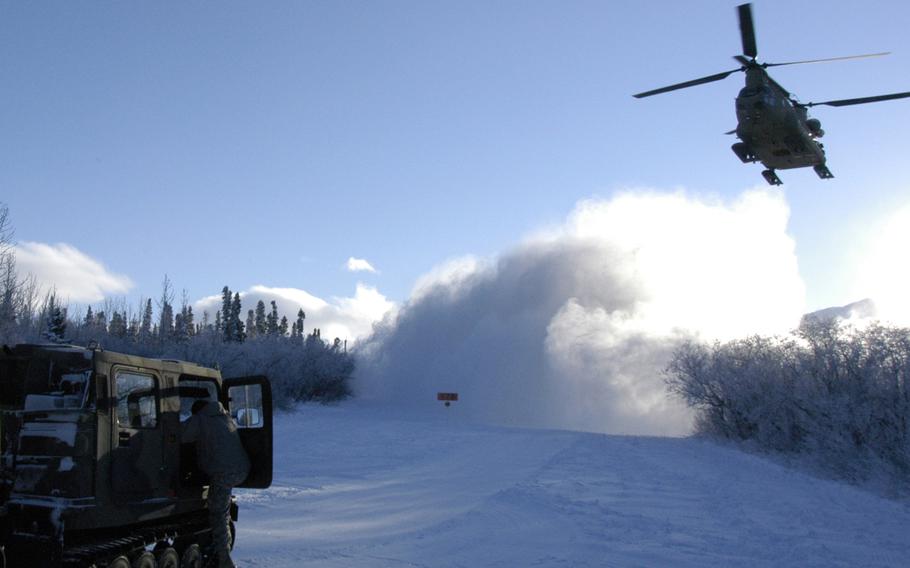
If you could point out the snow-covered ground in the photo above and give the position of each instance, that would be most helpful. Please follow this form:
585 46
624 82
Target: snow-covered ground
359 486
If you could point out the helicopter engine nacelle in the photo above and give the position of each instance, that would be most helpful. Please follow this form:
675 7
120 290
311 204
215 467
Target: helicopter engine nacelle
815 127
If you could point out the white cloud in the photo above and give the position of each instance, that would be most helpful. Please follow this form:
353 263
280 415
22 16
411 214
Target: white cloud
572 328
76 276
360 265
345 318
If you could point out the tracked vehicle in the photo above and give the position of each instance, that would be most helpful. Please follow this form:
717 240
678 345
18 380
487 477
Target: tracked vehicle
93 471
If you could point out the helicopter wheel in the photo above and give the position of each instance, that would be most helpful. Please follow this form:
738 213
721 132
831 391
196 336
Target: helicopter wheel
823 172
771 177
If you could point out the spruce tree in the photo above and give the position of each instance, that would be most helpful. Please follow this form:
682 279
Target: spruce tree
227 327
166 323
301 316
9 286
188 321
261 321
118 325
180 334
145 328
236 322
272 320
89 320
101 322
166 307
205 326
283 327
133 330
250 323
55 318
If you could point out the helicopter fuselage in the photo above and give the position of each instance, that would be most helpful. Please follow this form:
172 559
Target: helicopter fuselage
773 130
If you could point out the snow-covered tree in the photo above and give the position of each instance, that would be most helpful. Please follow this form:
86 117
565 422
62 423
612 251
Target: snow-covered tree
272 320
301 316
839 394
100 322
54 318
89 320
251 323
166 311
228 329
261 321
145 328
9 288
118 327
236 322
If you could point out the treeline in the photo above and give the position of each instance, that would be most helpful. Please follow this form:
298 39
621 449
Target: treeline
835 394
300 365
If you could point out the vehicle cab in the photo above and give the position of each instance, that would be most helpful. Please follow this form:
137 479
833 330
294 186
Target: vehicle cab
91 447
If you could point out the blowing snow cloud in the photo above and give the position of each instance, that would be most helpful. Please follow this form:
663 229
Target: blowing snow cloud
572 328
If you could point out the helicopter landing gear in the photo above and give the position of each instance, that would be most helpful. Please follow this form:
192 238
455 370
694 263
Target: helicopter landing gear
823 171
743 152
771 177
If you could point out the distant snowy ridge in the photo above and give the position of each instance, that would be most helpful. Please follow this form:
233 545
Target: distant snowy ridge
863 309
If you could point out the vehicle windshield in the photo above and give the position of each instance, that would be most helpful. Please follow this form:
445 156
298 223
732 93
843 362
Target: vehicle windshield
45 380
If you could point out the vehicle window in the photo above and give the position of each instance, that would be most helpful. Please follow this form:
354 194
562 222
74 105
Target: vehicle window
246 405
192 390
137 400
45 382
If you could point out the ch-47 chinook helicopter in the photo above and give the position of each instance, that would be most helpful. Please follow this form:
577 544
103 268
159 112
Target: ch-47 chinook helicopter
774 128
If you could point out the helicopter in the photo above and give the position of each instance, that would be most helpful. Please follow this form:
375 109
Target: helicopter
773 127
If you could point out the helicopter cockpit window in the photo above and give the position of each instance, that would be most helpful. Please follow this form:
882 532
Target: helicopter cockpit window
137 400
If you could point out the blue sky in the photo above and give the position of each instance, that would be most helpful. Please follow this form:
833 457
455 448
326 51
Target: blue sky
267 143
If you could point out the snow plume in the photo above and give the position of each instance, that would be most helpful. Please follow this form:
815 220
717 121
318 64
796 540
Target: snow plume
344 318
572 328
885 274
74 275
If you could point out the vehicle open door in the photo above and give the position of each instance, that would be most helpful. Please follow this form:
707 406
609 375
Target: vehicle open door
249 400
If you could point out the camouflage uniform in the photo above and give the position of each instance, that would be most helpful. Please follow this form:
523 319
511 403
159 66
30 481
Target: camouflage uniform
221 456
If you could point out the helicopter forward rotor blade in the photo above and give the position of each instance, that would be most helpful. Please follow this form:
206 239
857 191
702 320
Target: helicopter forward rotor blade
864 56
692 83
747 30
861 100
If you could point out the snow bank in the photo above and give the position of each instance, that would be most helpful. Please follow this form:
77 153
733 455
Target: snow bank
364 487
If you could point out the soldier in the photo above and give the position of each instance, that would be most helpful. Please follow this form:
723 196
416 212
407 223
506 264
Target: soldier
222 457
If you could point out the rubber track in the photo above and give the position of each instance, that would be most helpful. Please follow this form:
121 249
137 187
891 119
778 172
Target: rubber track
93 553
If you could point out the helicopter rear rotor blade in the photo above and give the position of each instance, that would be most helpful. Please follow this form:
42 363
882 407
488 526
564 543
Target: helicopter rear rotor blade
861 100
692 83
864 56
747 30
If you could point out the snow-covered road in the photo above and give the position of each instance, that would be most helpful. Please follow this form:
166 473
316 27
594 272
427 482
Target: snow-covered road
358 486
